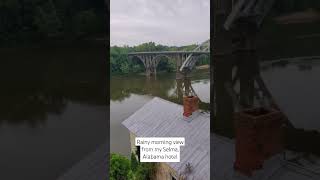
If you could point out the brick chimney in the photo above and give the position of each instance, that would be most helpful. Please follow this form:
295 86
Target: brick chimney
259 136
190 105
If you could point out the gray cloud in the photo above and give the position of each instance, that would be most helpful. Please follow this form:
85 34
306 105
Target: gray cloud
169 22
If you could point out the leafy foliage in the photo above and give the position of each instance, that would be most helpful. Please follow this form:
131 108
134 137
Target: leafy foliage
134 162
30 20
145 171
46 20
121 168
85 23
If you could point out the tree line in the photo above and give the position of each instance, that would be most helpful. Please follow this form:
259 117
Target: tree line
120 64
30 20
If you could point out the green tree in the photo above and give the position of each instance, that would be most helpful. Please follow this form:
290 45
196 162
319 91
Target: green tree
9 18
134 162
85 23
46 20
145 171
28 20
119 167
124 67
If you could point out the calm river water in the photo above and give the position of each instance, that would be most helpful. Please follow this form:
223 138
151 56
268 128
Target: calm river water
295 86
52 108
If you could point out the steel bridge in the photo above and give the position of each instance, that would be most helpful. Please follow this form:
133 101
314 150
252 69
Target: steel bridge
184 60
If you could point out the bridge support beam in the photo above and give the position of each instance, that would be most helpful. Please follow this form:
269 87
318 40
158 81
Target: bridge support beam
150 64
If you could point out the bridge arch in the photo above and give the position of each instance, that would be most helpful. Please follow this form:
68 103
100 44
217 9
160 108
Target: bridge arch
164 61
137 64
136 58
148 63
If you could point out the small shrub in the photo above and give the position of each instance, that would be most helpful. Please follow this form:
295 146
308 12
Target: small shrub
119 167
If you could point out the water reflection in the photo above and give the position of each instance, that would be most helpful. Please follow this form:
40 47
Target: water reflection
164 86
34 86
52 99
31 108
299 94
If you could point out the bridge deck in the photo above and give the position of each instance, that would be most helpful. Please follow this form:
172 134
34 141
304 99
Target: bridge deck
169 52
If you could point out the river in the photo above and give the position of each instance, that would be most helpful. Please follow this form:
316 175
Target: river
295 87
52 108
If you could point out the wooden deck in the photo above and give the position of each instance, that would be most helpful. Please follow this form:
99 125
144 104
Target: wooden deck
92 167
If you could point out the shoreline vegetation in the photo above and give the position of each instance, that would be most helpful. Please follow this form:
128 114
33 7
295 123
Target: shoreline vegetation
121 65
122 167
34 21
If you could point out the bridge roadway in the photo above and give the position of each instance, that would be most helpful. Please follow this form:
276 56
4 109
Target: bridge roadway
169 52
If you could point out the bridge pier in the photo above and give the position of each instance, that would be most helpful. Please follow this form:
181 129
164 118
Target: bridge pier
150 64
151 71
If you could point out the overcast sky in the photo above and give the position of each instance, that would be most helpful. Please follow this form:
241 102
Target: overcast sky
168 22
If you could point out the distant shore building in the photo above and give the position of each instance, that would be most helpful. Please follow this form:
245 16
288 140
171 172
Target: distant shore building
161 118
